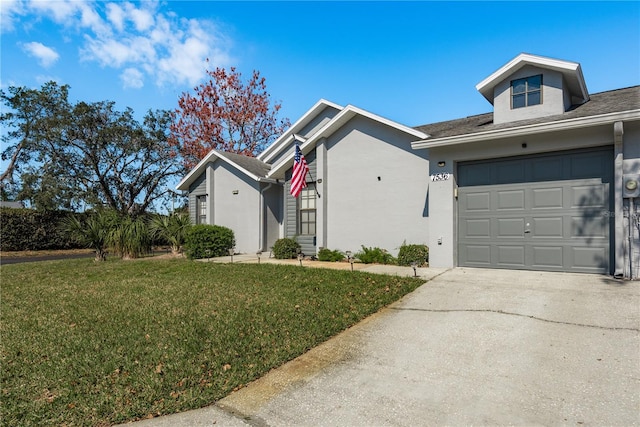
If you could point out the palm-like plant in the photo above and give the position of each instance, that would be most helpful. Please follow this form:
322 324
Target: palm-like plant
172 228
94 232
130 237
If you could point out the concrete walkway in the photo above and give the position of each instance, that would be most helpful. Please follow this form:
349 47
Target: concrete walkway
471 346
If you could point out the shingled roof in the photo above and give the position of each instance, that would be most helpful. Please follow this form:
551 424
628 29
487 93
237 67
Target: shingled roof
600 103
250 164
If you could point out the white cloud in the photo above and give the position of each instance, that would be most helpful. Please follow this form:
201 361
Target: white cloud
9 12
132 78
115 14
45 55
142 40
141 18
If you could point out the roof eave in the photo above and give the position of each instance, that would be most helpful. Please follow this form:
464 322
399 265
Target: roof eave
580 122
284 139
337 122
195 172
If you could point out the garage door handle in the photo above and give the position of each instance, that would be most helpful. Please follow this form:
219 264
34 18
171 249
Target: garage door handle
527 231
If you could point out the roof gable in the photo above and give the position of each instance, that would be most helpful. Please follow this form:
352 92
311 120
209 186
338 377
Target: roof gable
332 126
288 136
250 166
571 72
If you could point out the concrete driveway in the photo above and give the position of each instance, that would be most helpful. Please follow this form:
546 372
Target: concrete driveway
471 346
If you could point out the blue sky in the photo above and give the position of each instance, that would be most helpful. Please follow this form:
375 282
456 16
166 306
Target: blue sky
412 62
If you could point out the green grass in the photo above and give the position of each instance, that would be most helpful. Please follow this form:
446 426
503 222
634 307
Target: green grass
86 343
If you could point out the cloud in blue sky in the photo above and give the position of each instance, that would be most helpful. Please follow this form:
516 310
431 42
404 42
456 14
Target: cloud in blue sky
45 55
139 40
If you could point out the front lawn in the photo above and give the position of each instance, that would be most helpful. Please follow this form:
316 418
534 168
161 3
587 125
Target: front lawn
86 343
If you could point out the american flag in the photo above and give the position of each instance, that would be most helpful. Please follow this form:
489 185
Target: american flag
300 169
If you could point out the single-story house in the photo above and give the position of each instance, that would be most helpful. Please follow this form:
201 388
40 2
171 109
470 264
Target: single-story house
547 181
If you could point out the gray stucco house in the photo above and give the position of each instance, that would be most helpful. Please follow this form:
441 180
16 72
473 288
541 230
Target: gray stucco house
547 181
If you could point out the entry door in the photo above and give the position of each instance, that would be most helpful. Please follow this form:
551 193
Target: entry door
544 224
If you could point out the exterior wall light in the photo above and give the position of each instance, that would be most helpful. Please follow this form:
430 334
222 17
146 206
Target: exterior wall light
441 164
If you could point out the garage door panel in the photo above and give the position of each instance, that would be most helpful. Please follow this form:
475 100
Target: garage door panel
478 255
510 227
589 258
551 221
547 256
594 226
477 201
585 196
510 200
478 228
547 198
548 227
511 256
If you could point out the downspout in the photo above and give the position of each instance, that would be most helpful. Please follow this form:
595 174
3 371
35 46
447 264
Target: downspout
618 208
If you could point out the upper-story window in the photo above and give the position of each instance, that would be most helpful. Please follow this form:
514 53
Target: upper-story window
526 92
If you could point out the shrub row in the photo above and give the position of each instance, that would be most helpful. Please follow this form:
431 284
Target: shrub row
27 229
408 254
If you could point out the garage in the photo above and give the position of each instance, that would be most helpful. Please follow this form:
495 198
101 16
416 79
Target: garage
546 212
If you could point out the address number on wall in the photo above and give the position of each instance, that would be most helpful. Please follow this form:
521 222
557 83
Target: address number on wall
440 176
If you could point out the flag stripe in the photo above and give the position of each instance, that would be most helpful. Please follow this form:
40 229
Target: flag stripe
300 169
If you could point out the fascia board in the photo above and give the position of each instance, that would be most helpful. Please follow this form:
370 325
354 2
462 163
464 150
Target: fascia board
577 123
485 87
336 123
285 139
183 185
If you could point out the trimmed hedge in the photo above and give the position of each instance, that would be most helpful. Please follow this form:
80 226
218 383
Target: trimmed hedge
208 241
413 253
285 248
28 229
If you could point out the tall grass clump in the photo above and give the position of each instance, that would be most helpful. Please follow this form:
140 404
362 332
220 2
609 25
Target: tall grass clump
172 229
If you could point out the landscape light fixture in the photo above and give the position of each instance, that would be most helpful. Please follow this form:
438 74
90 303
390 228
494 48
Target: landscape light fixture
259 254
414 265
300 258
350 259
231 252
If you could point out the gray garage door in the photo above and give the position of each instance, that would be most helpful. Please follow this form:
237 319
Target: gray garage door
545 212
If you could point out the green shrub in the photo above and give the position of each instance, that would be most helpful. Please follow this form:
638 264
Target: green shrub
413 253
28 229
375 256
286 248
207 241
325 254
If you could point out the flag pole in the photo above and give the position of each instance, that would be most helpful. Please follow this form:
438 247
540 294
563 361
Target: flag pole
313 182
302 139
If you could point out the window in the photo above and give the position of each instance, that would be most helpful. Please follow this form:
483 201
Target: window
307 208
201 209
526 92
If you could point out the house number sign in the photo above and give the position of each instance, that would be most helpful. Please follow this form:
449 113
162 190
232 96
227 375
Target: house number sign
440 176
